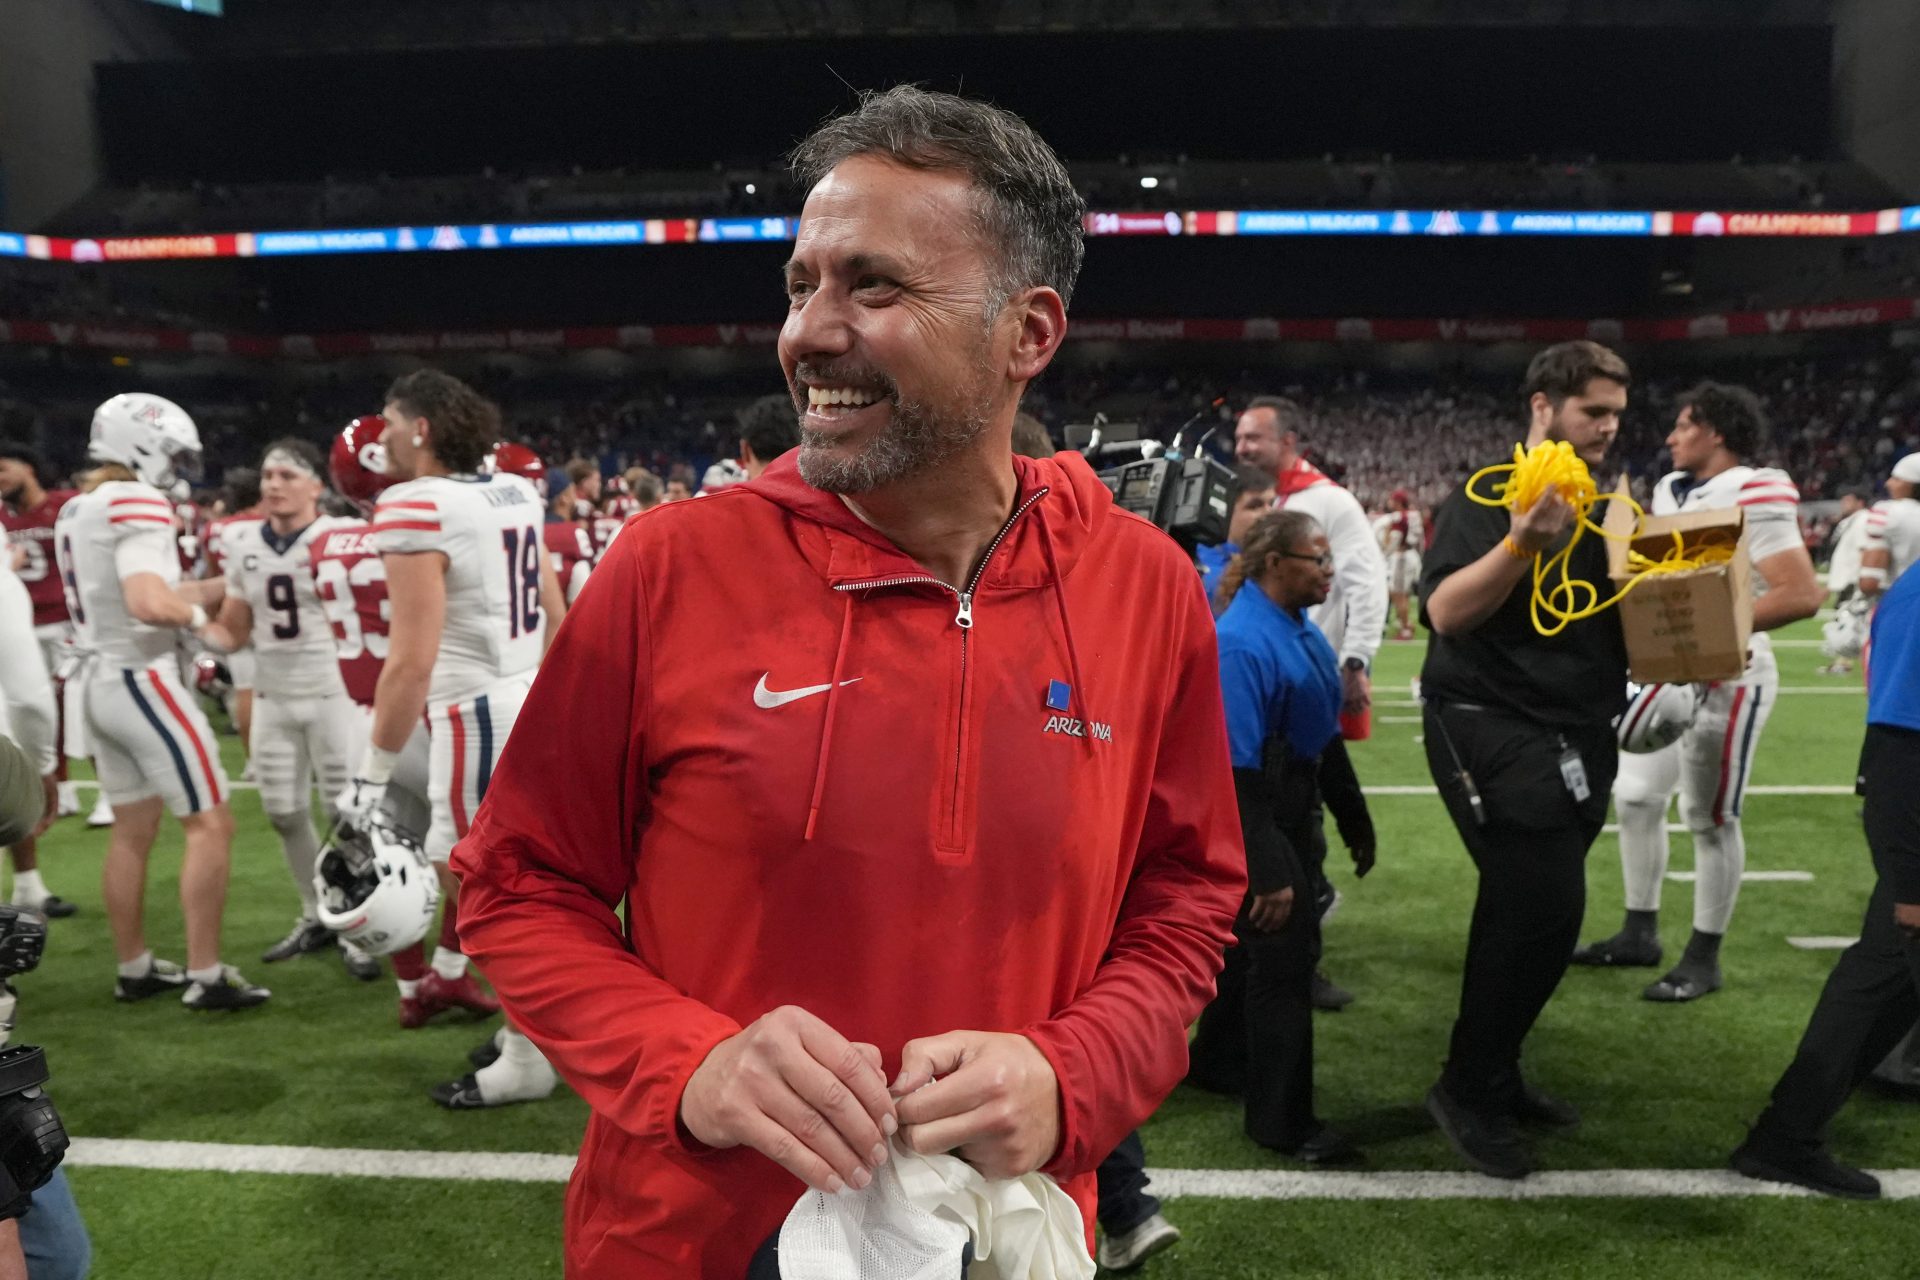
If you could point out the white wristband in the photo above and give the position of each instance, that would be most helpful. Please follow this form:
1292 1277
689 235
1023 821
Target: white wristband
377 766
198 619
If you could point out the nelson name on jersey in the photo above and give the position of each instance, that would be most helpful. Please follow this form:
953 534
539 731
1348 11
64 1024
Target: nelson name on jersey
511 496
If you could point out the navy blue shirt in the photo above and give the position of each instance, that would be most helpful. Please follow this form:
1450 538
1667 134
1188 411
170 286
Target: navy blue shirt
1893 675
1278 676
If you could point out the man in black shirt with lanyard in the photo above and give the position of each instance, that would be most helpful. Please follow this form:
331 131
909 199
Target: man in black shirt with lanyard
1520 740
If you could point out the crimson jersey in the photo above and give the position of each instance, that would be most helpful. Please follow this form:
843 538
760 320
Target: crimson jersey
602 532
572 552
32 532
190 525
352 585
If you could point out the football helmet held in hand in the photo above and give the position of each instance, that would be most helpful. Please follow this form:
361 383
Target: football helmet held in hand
376 888
1656 716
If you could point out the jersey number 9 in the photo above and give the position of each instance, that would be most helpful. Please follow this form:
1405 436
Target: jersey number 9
281 600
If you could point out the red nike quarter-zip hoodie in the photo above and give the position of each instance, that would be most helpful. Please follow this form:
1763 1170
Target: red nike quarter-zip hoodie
817 776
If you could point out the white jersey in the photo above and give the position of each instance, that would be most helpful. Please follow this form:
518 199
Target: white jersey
292 639
1768 496
489 529
1893 526
120 529
1849 540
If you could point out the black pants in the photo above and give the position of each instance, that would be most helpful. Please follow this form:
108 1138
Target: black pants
1125 1202
1256 1038
1873 995
1530 852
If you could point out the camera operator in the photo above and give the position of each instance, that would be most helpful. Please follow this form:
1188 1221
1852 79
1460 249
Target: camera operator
1282 691
1520 741
41 1235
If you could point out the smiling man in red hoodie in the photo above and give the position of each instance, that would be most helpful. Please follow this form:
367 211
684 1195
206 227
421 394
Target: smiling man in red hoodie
939 792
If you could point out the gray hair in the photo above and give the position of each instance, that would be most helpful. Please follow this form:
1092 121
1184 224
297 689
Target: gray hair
1029 214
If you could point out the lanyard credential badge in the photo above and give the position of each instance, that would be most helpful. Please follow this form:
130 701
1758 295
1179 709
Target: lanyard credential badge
1574 773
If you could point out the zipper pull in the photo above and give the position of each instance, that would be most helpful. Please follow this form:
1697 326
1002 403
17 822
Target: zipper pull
964 618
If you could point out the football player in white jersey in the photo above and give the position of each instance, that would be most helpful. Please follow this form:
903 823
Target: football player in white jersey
301 713
1718 426
1893 530
474 602
1402 540
352 585
121 568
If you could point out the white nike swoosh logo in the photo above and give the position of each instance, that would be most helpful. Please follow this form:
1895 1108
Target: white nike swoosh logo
767 699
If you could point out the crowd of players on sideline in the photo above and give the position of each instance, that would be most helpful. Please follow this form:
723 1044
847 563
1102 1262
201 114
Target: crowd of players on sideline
368 637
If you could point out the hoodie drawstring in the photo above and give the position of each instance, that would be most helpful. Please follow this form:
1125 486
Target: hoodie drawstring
826 728
1079 699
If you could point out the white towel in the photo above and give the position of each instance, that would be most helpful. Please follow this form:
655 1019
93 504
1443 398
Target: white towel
917 1217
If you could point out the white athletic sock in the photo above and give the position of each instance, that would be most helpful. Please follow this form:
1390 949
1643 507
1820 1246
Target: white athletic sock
209 976
1643 851
409 987
138 966
1719 856
450 965
520 1074
302 849
28 889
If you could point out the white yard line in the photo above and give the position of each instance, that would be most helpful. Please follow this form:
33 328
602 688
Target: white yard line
233 784
1664 1184
1774 790
1221 1184
1750 877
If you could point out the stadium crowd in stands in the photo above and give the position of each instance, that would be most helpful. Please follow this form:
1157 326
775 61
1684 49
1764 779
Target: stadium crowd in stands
1837 422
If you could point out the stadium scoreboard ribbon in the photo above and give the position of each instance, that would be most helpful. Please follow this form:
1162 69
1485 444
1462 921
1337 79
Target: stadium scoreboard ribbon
1169 222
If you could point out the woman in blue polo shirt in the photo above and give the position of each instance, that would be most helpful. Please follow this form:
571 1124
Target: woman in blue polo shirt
1281 686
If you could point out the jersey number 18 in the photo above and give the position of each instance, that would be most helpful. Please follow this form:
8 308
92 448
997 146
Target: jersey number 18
523 580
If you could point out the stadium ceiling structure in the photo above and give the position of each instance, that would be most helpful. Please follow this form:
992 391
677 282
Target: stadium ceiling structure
258 27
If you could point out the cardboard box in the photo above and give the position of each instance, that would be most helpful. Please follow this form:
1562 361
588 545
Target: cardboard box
1691 625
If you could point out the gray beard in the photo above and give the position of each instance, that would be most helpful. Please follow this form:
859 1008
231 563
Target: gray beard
916 440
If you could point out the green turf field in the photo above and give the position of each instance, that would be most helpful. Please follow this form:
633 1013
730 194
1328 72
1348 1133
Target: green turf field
1663 1087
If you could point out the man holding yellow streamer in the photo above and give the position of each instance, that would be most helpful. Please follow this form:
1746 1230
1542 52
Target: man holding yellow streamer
1519 738
1717 429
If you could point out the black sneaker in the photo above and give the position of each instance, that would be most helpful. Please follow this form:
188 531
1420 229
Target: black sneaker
1541 1110
459 1095
1621 951
1687 981
53 907
231 993
1326 995
162 975
1327 1146
358 963
308 936
1814 1170
1485 1140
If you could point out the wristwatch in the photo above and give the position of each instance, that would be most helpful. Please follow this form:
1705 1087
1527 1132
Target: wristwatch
1354 664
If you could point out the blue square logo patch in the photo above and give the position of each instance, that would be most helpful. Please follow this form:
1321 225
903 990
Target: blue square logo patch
1059 694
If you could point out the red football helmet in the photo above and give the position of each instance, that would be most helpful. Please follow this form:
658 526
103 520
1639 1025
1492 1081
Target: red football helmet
518 460
358 460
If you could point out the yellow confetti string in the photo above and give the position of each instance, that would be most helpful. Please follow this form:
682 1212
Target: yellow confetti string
1553 465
